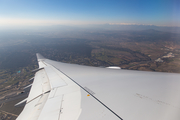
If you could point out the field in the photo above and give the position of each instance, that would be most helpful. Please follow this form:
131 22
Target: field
145 50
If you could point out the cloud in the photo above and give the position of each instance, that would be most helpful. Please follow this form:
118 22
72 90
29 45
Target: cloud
144 24
42 22
123 24
127 24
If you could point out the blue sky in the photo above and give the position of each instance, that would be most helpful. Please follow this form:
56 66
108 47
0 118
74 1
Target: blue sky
53 12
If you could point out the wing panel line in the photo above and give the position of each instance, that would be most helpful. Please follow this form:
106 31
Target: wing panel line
89 93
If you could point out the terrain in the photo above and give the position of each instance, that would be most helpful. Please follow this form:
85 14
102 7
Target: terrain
147 50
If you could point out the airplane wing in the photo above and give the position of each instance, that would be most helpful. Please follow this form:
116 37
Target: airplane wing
63 91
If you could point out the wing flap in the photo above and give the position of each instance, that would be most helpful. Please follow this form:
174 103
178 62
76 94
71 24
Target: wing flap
38 107
51 109
40 85
48 94
54 79
28 110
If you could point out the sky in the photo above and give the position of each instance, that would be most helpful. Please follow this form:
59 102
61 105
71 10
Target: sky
83 12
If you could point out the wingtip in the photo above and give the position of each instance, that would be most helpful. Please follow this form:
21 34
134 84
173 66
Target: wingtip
39 56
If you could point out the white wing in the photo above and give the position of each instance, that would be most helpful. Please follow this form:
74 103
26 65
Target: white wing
62 91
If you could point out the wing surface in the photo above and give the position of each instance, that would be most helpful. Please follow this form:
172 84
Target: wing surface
50 94
62 91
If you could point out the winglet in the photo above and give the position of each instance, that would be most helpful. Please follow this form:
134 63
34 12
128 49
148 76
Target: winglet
39 56
40 60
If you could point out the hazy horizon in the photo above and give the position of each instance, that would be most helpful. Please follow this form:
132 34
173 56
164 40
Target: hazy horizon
22 13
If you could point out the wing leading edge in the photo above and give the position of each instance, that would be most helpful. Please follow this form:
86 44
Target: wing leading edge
71 92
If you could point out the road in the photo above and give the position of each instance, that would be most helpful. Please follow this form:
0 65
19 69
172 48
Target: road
8 113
